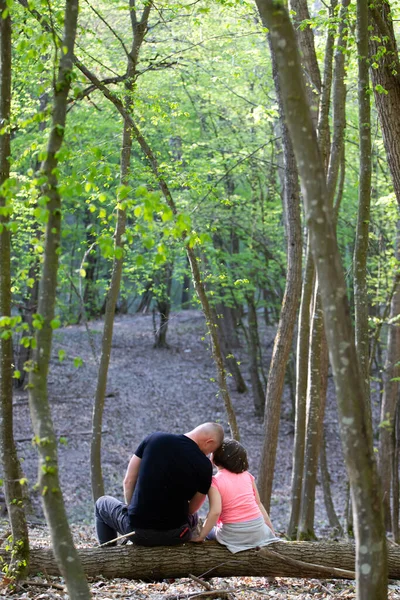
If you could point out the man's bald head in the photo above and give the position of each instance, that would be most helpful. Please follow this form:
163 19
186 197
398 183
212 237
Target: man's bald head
208 436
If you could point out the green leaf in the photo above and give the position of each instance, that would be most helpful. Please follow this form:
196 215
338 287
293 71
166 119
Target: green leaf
78 362
55 323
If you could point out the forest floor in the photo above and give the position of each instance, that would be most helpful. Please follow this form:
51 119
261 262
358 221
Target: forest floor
171 390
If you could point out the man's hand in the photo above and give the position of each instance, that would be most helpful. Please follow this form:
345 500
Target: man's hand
196 539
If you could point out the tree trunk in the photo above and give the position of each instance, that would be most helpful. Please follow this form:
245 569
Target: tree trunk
89 295
139 29
212 326
9 459
303 344
287 320
329 157
395 476
281 559
337 529
185 297
386 85
48 480
364 199
390 397
253 349
224 337
316 399
163 306
305 40
230 324
356 439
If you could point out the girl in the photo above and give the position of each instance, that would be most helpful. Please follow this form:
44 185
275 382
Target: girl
235 505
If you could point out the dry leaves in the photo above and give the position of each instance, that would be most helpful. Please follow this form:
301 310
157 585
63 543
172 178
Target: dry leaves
235 588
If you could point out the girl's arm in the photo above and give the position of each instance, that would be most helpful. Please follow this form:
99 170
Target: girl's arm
262 509
214 498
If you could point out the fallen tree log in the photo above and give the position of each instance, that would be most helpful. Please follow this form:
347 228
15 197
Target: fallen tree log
284 559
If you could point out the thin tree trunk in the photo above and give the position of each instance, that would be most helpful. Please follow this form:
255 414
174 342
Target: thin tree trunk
224 324
338 104
19 558
386 84
323 127
364 198
253 346
318 359
164 306
395 476
49 485
303 334
185 297
89 294
316 398
371 565
305 40
326 488
303 344
211 321
390 394
287 320
139 29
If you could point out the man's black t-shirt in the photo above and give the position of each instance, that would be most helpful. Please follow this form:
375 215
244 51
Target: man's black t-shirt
172 470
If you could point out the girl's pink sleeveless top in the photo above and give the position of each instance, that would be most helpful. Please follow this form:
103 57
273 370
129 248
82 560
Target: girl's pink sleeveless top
237 494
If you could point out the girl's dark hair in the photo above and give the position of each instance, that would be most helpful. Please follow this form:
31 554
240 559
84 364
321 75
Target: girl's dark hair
231 456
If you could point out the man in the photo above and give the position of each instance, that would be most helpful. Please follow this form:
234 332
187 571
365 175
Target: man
166 482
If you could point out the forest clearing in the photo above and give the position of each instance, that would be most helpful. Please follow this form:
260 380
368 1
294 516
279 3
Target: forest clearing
144 384
199 259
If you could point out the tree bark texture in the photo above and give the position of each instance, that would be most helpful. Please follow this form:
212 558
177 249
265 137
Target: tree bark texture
364 199
9 458
390 398
163 304
211 320
334 522
356 440
316 400
338 104
323 127
395 476
305 340
386 84
253 350
305 40
231 363
290 304
48 480
139 29
281 559
302 352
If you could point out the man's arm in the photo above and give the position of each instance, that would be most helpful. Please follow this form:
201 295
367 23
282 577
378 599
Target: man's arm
213 515
131 476
196 502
